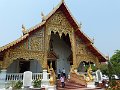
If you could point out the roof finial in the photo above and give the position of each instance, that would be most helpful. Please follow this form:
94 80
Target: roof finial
107 57
80 24
42 15
24 30
93 40
53 6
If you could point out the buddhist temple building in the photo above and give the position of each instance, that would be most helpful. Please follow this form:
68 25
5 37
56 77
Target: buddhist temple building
58 38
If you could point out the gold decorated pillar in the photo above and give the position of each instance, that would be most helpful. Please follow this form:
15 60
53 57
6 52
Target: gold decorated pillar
47 39
73 49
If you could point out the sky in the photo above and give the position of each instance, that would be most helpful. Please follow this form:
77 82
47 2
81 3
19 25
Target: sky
100 19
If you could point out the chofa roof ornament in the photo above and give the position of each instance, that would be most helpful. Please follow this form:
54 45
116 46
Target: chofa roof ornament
24 31
42 16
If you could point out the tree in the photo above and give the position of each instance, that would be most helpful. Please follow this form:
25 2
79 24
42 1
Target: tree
104 69
116 57
115 60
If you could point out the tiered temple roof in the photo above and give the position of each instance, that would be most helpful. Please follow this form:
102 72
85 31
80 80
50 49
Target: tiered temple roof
61 6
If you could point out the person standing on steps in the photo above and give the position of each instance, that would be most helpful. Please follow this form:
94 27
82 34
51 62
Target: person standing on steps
63 71
62 79
59 73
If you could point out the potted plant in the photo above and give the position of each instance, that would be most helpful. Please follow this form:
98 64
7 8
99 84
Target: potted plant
18 85
36 85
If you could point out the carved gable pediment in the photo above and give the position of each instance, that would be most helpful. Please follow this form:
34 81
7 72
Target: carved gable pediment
59 23
83 53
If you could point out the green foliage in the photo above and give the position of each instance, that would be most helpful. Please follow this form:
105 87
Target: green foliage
115 60
92 66
37 83
104 69
113 66
114 85
18 85
107 69
116 57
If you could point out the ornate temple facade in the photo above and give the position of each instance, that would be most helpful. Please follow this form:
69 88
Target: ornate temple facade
57 39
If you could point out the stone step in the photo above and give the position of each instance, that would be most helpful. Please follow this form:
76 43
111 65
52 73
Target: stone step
69 85
73 85
72 82
80 89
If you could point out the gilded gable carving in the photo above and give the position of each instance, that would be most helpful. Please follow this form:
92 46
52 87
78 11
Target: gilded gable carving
31 48
36 41
23 45
59 23
83 54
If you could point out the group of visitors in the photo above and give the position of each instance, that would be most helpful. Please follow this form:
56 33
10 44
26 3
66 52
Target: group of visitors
62 76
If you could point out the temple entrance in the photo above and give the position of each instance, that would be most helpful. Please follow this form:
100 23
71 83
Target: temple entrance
61 56
24 66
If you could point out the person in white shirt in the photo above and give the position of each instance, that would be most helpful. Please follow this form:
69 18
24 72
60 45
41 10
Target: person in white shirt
62 79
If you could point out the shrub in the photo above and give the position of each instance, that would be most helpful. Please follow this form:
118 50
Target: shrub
18 85
37 83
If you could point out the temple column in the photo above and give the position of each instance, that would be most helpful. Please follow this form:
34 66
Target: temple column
73 49
45 80
47 39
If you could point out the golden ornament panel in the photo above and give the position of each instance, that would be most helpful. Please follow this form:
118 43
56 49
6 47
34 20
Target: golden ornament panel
36 41
31 48
83 53
14 54
59 23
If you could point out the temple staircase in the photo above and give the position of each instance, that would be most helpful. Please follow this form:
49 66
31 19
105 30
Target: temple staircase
69 85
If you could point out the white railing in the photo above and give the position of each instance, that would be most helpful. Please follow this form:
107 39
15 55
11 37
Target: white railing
14 76
36 76
19 76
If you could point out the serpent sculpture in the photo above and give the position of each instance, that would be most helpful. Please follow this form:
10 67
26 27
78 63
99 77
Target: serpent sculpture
89 73
75 76
52 75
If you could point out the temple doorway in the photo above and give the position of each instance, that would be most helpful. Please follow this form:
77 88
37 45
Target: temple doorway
60 46
24 66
